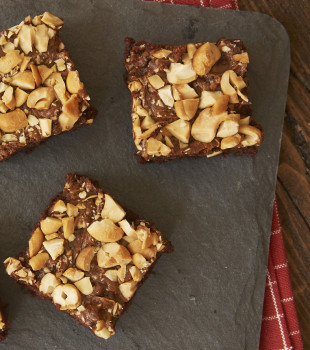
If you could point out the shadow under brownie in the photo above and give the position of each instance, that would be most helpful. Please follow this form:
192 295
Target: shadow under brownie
40 91
190 100
88 255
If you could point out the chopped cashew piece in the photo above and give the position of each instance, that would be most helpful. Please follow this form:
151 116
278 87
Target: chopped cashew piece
136 247
139 260
20 97
73 82
134 86
85 258
156 81
118 252
181 73
26 37
166 95
186 109
41 38
112 210
55 247
229 127
127 228
105 231
10 61
220 105
191 49
35 242
205 57
128 289
135 273
183 92
36 74
60 206
163 53
38 261
156 148
253 136
230 141
84 286
180 129
205 126
46 127
41 98
147 123
208 98
12 121
237 81
51 20
24 80
67 296
50 225
48 283
8 98
242 57
68 226
45 72
73 274
228 89
213 154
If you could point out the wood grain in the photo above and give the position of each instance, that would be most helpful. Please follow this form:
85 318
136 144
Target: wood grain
293 186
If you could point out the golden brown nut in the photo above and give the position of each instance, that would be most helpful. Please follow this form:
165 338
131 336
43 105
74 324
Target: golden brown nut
35 242
73 82
84 286
38 261
12 121
50 225
128 289
23 80
186 109
10 61
180 129
41 98
179 73
48 283
205 57
55 247
112 210
85 258
67 296
105 231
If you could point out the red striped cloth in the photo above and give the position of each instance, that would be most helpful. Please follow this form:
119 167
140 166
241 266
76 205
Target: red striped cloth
280 328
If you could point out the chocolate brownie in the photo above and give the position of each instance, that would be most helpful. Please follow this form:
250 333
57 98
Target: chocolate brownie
41 94
190 100
4 324
88 255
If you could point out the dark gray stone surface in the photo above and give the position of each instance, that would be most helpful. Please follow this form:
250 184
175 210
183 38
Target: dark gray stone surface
217 212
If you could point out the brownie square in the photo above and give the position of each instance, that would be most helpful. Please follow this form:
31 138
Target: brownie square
190 100
41 94
88 255
4 324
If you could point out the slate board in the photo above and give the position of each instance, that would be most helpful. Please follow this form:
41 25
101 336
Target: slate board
217 212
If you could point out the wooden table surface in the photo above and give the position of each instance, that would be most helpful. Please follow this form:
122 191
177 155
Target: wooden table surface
293 184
